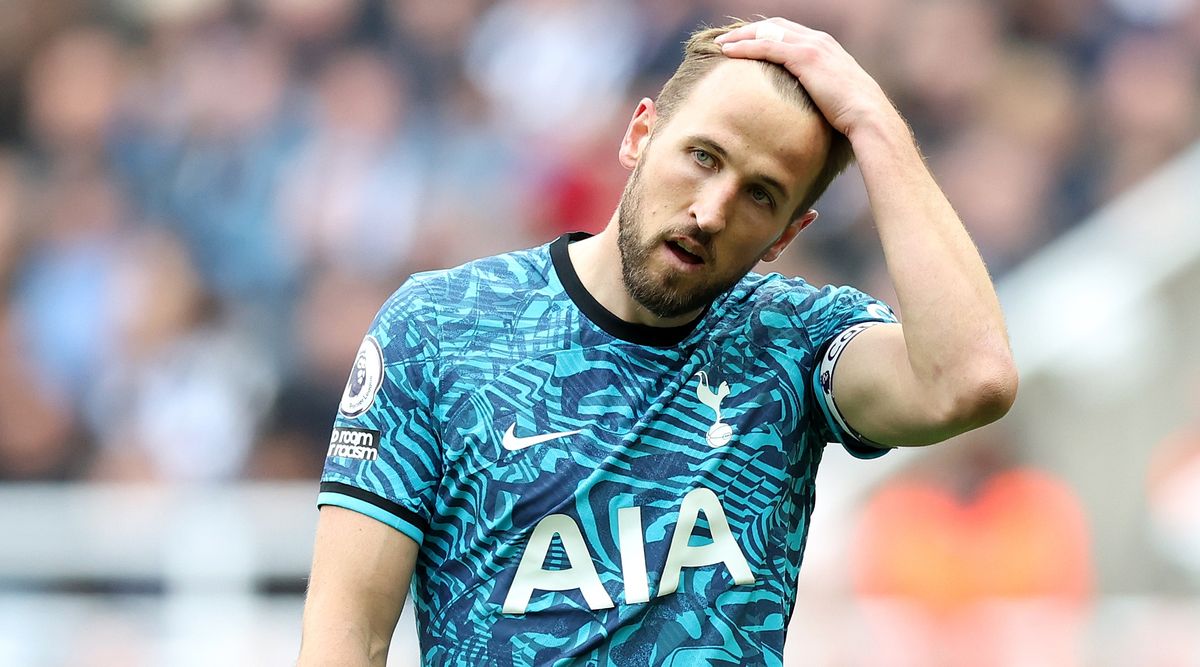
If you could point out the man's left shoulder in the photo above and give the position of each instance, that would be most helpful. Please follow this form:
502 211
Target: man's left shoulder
777 307
776 291
767 310
773 290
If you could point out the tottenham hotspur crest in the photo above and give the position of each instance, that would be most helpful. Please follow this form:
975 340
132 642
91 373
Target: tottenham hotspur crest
365 379
719 433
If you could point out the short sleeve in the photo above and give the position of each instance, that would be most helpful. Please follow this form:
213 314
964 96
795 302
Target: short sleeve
839 315
385 457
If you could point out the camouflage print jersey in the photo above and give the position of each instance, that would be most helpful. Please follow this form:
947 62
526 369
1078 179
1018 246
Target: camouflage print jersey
588 491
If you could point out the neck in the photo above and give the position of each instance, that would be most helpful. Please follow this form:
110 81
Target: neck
597 262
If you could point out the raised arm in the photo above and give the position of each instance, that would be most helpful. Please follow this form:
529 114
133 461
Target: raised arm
360 574
949 368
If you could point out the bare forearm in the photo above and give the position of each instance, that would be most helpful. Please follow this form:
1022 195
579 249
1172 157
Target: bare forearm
338 632
344 646
953 326
360 575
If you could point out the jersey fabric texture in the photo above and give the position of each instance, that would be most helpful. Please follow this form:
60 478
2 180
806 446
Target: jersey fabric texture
588 491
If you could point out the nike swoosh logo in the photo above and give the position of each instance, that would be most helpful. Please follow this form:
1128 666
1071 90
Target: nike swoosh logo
513 443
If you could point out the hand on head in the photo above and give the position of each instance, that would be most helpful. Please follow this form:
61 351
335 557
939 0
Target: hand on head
847 96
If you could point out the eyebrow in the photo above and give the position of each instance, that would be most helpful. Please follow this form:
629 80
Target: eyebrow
709 144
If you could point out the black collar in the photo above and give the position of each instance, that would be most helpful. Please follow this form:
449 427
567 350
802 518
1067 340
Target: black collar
642 334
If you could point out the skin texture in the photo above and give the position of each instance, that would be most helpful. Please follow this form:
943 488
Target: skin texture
360 575
706 182
700 184
714 192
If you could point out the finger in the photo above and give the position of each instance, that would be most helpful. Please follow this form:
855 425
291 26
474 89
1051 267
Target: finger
797 47
790 25
755 30
745 32
758 49
772 31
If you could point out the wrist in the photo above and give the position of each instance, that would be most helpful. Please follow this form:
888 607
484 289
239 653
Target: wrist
886 134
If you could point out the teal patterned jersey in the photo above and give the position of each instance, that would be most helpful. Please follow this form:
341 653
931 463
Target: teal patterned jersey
588 491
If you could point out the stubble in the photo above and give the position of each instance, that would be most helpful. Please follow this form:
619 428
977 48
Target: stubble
665 293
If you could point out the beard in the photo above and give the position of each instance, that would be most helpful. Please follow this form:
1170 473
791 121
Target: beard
665 293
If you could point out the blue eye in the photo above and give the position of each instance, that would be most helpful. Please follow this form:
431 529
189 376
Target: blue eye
761 196
703 158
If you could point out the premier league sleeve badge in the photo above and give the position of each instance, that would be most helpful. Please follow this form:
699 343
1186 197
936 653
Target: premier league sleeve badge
365 379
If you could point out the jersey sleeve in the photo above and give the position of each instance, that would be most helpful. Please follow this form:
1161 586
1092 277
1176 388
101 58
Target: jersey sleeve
838 315
385 456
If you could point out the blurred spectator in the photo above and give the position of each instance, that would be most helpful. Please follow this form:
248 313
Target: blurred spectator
938 99
1006 223
202 149
313 25
183 393
1076 28
352 194
974 529
479 183
431 37
1145 116
24 24
867 28
1035 101
939 544
72 91
268 161
666 27
574 193
39 439
547 74
65 301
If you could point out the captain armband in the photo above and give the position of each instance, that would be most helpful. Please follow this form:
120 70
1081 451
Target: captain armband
828 363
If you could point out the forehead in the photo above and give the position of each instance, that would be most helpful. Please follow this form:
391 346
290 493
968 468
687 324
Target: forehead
737 105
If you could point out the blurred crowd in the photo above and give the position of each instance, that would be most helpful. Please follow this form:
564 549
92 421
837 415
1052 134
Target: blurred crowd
203 202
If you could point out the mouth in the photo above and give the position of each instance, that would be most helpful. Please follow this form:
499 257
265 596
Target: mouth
686 251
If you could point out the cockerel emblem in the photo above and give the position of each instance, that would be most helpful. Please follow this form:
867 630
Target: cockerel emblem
719 433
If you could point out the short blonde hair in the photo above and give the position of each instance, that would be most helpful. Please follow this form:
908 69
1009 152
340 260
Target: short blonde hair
701 54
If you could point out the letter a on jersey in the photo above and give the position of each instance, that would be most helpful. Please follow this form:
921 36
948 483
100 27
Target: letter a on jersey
723 549
531 574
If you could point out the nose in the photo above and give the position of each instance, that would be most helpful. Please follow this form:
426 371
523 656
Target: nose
712 204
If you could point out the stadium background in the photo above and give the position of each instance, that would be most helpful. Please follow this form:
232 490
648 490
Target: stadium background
202 202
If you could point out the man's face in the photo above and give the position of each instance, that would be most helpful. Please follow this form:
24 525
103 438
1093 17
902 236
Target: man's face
712 194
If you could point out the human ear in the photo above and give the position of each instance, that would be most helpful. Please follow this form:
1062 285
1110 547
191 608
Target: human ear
789 233
638 133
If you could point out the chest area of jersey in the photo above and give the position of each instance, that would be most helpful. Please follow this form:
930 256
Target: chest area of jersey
647 417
